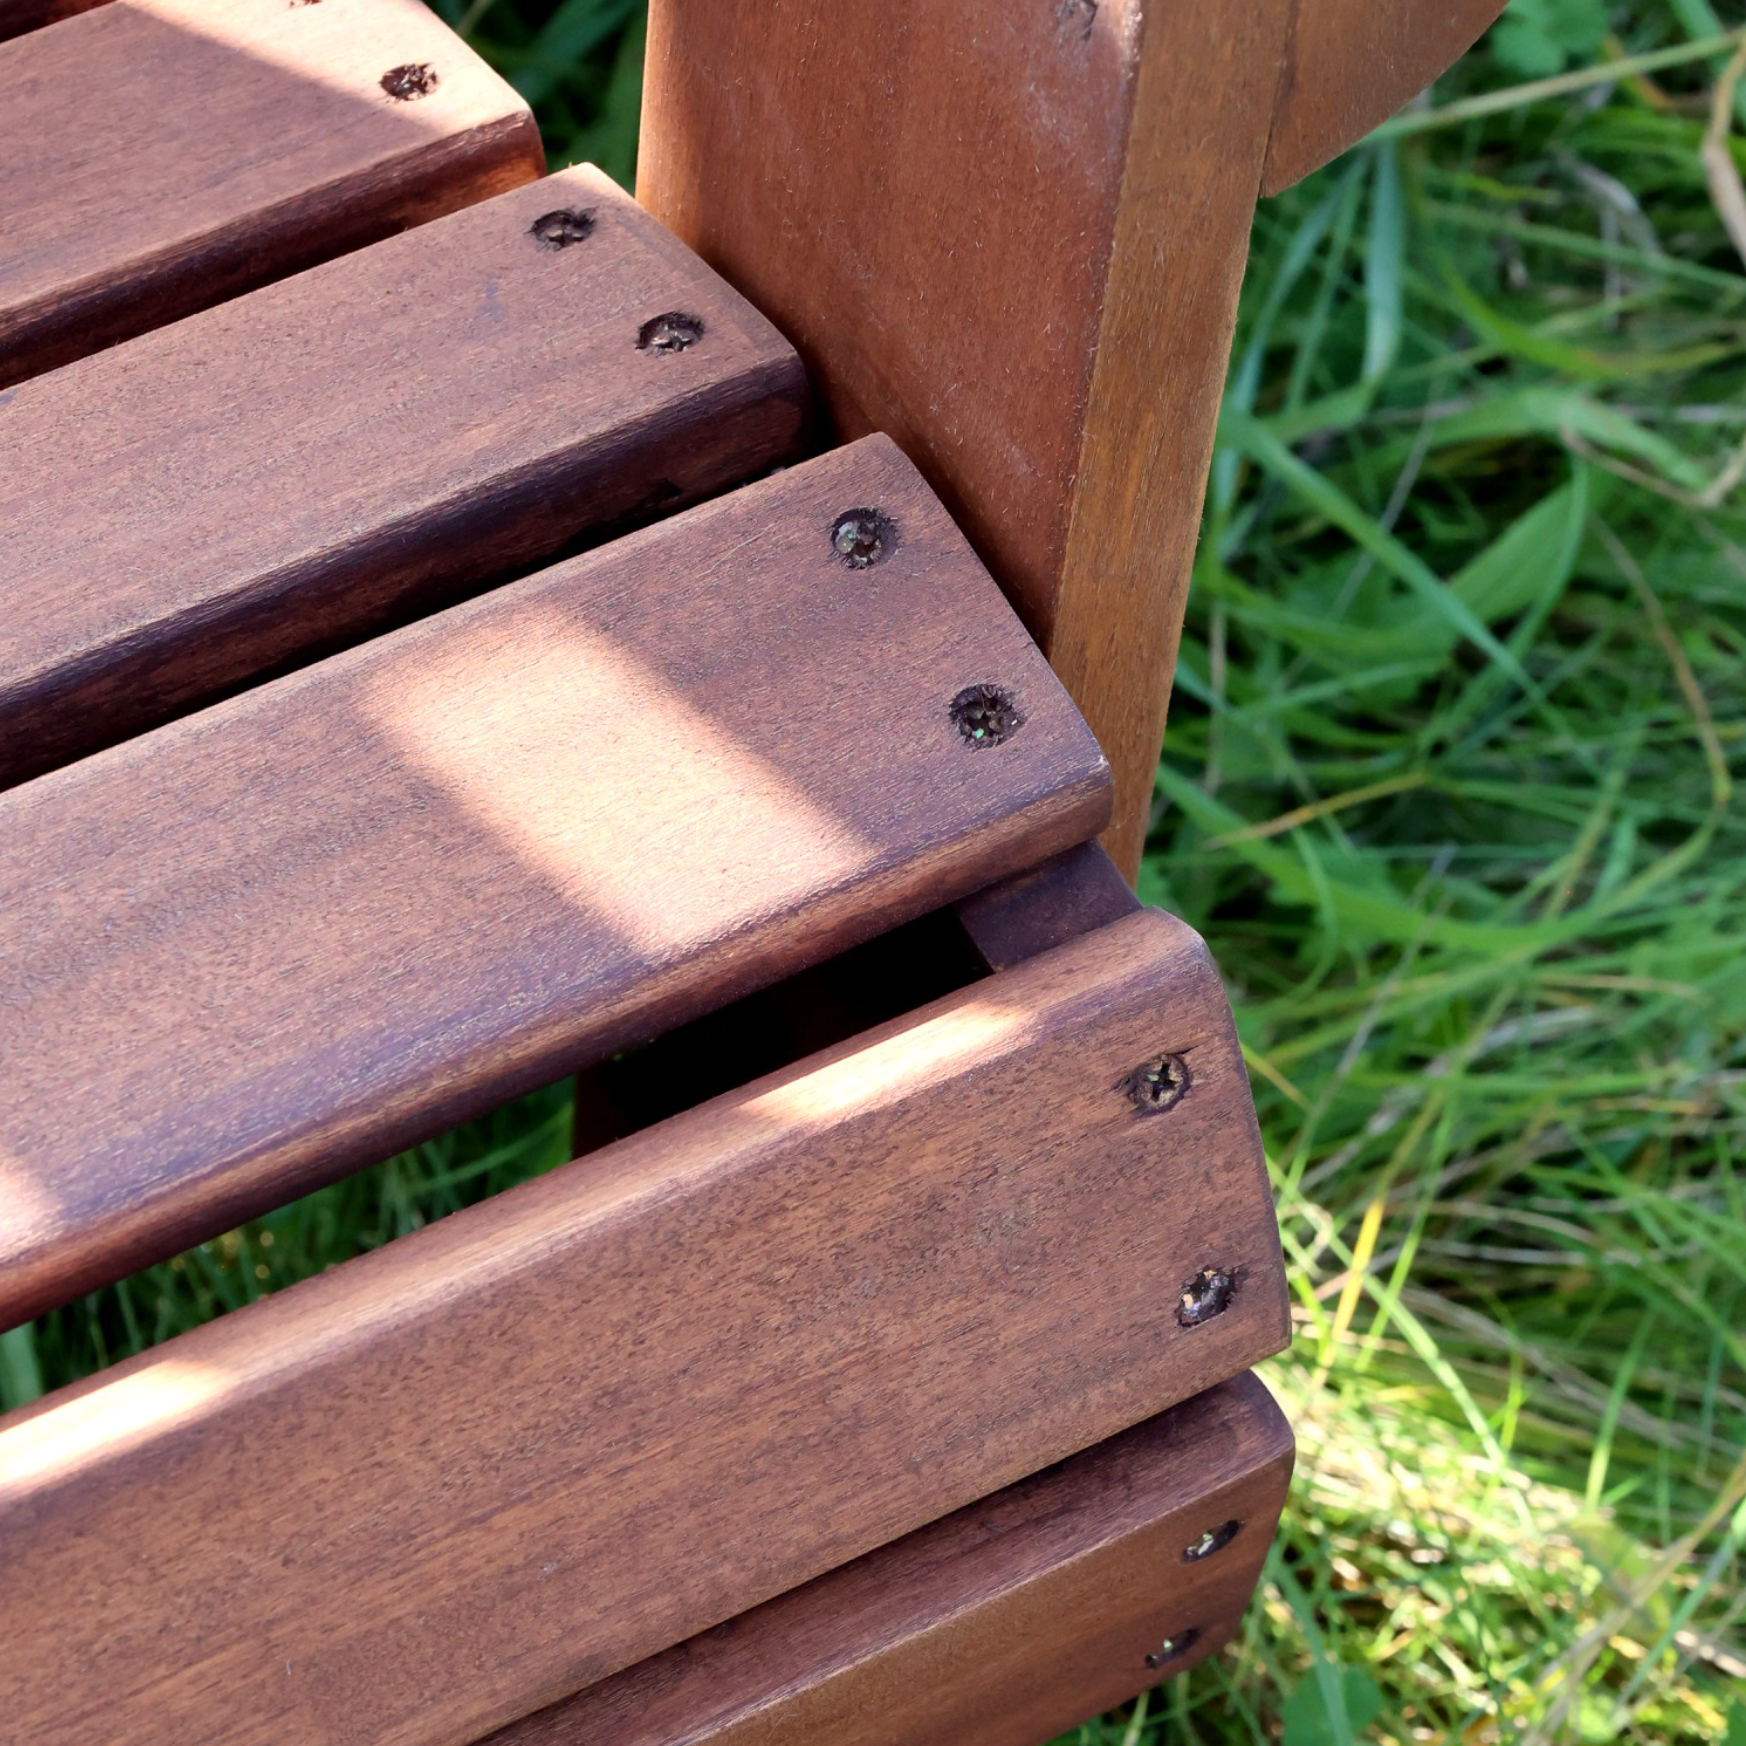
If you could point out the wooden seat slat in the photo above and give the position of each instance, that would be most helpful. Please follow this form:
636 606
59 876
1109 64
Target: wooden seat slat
162 155
343 450
288 935
1005 1624
461 1478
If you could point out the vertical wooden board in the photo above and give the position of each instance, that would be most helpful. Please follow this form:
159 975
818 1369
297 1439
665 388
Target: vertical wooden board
1351 64
289 935
1037 304
494 1462
357 445
1005 1624
162 155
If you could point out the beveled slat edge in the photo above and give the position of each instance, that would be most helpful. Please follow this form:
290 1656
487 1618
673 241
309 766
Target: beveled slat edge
332 1316
962 1597
1054 796
199 249
314 602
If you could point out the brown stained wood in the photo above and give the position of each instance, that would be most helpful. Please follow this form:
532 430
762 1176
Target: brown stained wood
510 1455
1012 236
1068 895
1003 1625
1351 64
162 155
354 446
1023 232
18 16
295 932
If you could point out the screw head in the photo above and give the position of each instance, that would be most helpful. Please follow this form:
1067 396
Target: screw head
1173 1648
405 84
675 331
1213 1540
862 538
986 715
557 230
1206 1295
1157 1085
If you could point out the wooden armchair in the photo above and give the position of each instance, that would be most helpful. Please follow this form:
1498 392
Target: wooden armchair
461 627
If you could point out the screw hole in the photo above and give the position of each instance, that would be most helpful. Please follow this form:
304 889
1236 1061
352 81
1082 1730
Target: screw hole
673 332
1157 1085
1173 1648
985 715
1206 1295
414 80
1213 1540
862 538
557 230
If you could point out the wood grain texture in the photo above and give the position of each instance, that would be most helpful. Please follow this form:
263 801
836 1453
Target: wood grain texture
356 445
1045 906
300 930
1352 63
1037 306
166 154
465 1476
1006 1624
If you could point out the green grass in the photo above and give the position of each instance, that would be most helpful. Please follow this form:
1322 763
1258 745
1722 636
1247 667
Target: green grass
1450 787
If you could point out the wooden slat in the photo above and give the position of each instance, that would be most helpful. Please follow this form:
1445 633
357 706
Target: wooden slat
162 155
288 935
363 442
1351 63
1003 1625
479 1469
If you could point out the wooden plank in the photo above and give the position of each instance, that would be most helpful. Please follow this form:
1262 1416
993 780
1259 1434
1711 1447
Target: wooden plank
1351 64
357 445
164 155
1003 1625
291 934
489 1464
1038 307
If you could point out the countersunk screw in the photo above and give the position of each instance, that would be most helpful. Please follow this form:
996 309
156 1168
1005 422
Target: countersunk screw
557 230
862 538
986 715
1157 1085
1213 1540
404 84
673 332
1173 1648
1206 1295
